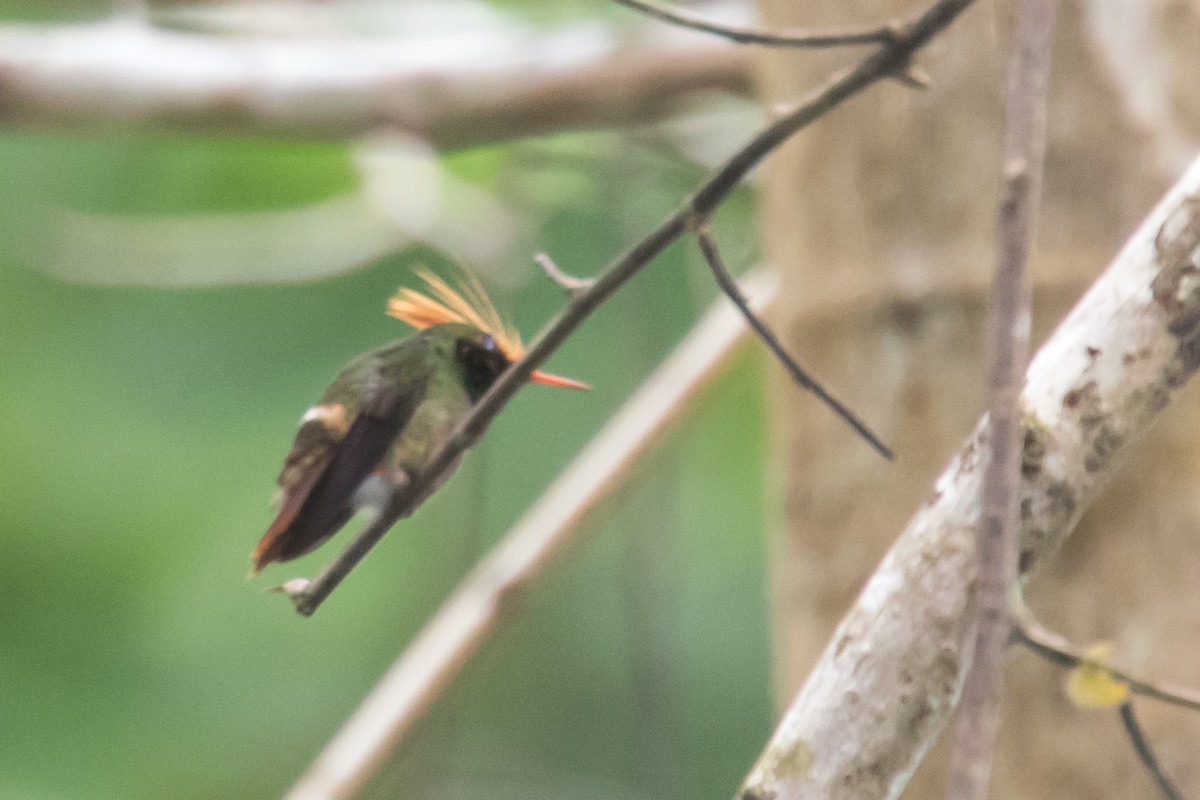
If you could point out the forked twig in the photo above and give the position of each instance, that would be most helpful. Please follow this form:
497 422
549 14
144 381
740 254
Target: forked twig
1028 632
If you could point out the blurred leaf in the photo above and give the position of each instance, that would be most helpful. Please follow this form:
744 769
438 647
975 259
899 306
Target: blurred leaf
404 197
1091 685
417 18
121 172
712 127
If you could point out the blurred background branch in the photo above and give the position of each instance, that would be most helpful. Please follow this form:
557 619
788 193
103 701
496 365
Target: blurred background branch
454 88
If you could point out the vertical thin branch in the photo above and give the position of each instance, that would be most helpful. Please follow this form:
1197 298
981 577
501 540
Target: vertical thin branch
1008 339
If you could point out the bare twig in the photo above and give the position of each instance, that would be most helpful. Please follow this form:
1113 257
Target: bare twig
900 653
729 286
880 64
572 287
1142 746
462 93
839 37
1053 647
1008 341
486 597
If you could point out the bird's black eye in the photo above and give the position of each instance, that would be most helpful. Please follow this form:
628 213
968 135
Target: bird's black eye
482 362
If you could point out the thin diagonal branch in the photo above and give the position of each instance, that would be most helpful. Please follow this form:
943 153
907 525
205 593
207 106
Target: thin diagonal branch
832 37
880 64
490 594
997 537
1142 746
729 286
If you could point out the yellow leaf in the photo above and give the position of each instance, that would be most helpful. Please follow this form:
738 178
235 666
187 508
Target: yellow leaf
1090 685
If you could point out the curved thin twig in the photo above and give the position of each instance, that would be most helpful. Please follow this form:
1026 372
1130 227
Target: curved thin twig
830 37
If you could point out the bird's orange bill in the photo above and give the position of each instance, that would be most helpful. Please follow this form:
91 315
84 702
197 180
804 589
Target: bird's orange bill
546 379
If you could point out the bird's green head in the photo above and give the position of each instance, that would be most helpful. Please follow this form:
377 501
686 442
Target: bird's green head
483 345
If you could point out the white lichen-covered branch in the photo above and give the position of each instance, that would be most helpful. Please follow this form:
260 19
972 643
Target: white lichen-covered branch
888 680
453 89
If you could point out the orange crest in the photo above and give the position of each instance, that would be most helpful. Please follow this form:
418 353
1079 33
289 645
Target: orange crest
468 304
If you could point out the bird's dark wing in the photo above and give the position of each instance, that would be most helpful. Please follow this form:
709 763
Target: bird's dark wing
319 503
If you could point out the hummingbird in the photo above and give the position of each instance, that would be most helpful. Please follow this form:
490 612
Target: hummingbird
389 412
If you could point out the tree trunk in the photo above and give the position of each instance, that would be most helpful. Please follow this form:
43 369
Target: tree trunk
880 220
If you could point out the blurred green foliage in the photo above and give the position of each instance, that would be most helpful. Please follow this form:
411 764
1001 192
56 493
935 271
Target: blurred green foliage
142 432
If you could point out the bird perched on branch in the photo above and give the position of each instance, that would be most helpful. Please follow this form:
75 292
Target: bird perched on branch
389 411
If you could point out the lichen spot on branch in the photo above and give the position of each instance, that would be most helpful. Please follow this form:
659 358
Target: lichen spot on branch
1176 287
